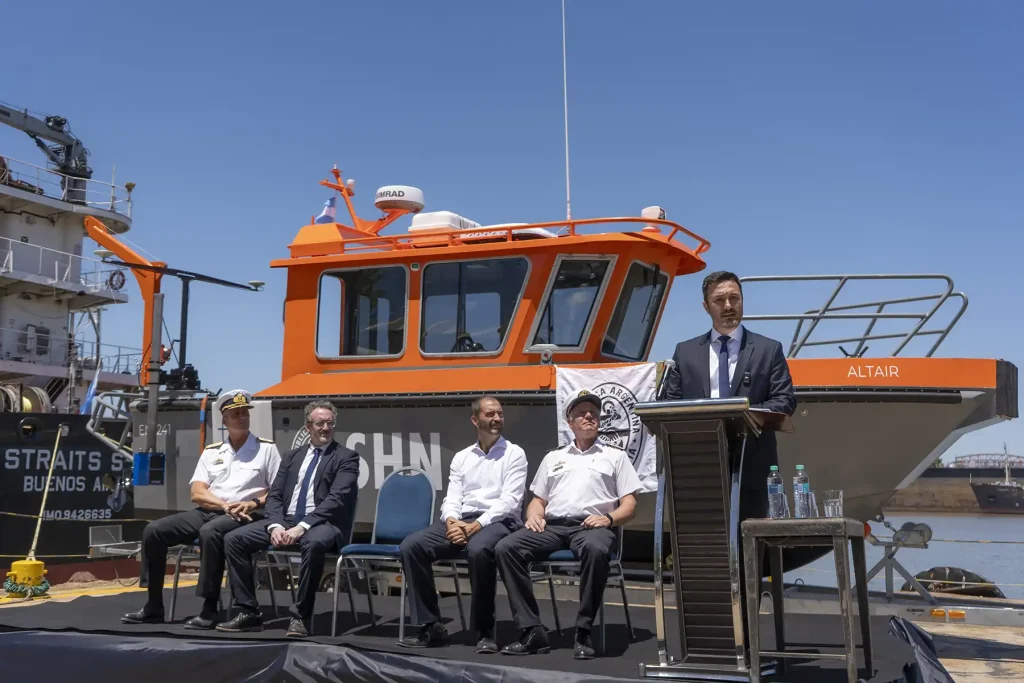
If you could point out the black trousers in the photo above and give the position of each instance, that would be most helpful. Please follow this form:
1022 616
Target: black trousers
421 549
592 547
314 545
209 526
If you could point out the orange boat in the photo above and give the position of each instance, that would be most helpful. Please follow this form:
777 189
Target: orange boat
403 330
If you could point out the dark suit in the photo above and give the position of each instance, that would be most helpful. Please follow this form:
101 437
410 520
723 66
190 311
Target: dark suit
762 376
335 491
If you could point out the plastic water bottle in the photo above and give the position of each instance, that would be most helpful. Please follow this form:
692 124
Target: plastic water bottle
802 493
776 494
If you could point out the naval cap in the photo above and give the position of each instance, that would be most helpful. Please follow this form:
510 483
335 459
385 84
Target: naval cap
583 396
236 398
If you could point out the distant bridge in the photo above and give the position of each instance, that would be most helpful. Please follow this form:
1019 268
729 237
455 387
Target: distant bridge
988 460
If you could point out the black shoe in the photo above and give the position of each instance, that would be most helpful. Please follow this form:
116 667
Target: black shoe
244 621
431 635
297 629
486 646
202 622
583 649
533 641
144 616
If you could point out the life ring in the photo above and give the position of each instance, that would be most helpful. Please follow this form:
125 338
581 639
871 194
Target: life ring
116 280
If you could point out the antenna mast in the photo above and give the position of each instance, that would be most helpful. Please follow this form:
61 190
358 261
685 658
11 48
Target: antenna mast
565 107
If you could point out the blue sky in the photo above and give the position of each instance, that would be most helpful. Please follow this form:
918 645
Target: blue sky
798 137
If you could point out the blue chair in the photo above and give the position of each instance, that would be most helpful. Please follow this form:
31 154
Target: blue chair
565 560
405 504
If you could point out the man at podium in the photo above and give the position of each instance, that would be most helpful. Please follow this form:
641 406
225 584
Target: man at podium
731 361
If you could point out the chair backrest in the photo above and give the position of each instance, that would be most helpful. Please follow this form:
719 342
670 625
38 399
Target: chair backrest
405 504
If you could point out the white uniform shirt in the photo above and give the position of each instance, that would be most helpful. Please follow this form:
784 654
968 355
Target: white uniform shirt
735 337
237 476
491 483
579 483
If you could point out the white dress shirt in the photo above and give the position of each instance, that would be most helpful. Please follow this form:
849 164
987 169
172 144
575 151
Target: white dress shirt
491 483
579 483
238 476
293 502
735 337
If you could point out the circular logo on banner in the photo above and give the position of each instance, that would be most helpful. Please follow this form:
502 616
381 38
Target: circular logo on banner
619 426
301 438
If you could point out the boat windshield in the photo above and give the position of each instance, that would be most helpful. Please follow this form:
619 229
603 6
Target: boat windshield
361 312
571 299
636 311
468 305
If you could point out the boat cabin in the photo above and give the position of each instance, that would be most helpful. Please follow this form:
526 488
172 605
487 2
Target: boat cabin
453 294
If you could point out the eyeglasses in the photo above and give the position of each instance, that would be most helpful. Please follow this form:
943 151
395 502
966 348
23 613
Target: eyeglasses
322 423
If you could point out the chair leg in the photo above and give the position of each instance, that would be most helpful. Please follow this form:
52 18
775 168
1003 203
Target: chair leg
625 606
369 598
401 615
554 603
270 582
174 584
600 615
863 610
458 596
334 612
351 595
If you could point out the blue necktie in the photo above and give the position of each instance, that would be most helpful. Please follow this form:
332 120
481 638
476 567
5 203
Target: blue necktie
300 506
724 390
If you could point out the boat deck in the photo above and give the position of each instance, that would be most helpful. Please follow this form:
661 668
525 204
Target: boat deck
94 645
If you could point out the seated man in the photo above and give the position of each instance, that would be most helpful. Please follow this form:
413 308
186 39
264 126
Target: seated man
230 484
312 505
581 491
485 496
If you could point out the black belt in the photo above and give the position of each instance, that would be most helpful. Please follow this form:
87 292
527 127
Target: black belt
565 521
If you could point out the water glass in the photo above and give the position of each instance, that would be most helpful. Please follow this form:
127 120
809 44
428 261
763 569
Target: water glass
833 503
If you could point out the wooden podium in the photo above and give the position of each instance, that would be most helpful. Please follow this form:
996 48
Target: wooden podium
701 446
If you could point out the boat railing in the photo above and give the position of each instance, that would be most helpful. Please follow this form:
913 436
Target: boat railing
58 266
871 312
508 233
21 175
36 344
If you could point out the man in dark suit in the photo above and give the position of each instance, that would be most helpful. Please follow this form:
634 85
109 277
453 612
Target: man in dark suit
731 361
311 505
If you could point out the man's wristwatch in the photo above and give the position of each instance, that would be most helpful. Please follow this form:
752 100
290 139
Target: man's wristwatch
611 522
256 502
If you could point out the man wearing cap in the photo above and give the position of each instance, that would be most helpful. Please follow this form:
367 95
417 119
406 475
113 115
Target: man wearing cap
483 505
581 492
229 488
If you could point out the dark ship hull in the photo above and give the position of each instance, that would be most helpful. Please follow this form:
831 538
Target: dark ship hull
998 498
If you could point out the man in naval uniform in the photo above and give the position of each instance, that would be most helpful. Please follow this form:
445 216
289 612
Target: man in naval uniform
581 491
312 506
483 505
229 488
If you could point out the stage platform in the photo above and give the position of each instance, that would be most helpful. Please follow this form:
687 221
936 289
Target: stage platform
83 640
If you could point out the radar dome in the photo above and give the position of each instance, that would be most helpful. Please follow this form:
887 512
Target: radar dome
391 197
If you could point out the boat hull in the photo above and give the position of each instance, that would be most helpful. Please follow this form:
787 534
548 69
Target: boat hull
998 499
867 443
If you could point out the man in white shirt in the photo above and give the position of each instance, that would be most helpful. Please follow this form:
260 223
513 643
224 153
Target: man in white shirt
486 484
581 491
312 506
230 485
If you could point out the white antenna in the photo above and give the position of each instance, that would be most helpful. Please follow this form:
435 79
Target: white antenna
565 105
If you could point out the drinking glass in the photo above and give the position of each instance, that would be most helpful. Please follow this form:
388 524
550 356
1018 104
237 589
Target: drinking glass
833 503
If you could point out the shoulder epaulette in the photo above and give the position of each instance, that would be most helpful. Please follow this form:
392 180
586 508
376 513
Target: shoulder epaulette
261 439
215 445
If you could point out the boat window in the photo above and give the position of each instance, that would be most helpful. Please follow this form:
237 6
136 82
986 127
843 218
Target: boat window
361 312
468 305
570 302
633 320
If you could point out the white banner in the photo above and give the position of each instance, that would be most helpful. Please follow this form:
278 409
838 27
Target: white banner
620 389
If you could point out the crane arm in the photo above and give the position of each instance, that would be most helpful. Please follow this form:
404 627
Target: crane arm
70 154
147 276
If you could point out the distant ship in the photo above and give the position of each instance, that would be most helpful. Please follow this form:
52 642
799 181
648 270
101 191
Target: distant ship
1000 496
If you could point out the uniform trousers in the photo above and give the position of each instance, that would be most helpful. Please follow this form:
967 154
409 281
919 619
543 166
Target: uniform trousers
591 547
421 549
314 545
209 526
